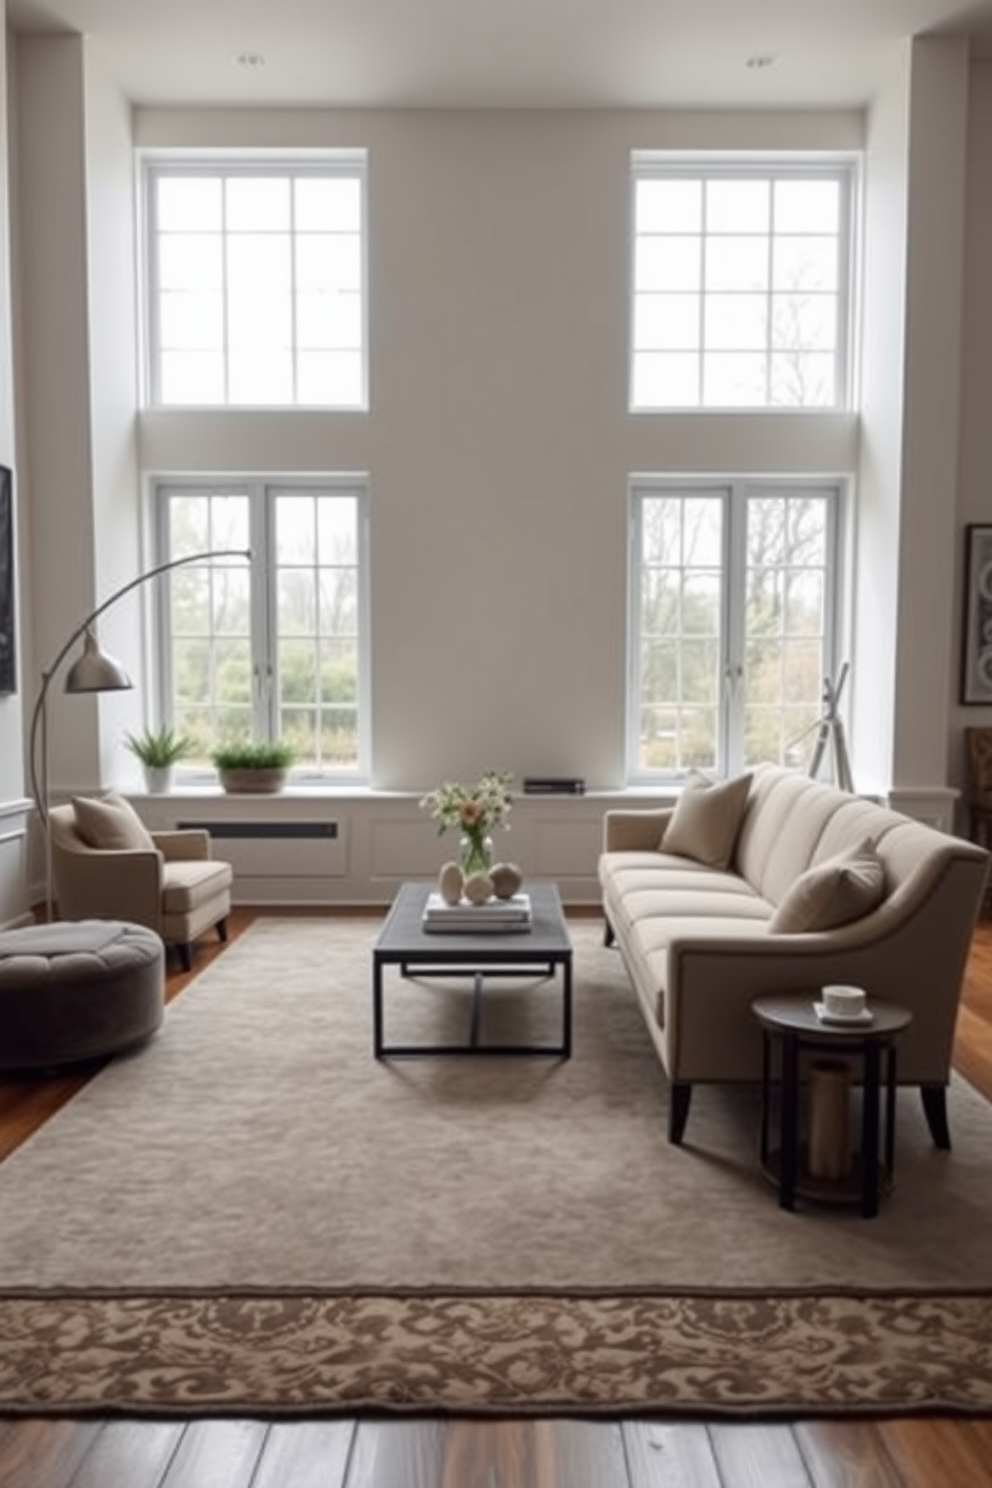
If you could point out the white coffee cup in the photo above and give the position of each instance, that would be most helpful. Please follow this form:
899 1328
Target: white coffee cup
844 1002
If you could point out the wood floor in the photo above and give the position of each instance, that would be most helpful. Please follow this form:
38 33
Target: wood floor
455 1453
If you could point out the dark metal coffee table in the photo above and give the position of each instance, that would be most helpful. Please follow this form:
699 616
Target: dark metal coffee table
537 952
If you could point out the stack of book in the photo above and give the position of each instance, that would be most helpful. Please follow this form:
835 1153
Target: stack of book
465 918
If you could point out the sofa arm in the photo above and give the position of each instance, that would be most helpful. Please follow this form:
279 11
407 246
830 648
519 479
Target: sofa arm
180 846
635 831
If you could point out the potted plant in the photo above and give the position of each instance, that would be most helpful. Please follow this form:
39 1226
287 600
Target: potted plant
254 766
159 750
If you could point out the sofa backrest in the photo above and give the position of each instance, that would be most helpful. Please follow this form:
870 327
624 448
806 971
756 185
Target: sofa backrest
792 823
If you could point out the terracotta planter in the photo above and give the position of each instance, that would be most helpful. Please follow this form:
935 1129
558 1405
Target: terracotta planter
253 782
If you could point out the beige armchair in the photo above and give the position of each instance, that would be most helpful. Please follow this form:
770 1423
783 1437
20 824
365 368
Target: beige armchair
107 865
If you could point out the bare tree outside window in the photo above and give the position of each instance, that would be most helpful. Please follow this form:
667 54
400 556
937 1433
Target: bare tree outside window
733 634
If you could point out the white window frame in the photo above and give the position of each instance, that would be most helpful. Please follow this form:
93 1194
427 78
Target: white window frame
154 165
733 493
260 491
843 168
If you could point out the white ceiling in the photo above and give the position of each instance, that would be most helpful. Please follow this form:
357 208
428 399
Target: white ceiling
511 54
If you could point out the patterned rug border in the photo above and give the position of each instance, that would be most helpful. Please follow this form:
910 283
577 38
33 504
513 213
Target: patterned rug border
306 1355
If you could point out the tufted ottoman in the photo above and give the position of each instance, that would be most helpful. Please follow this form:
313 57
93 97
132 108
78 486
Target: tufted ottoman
78 989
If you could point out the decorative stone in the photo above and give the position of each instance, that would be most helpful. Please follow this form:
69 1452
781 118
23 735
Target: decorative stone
450 883
507 880
478 887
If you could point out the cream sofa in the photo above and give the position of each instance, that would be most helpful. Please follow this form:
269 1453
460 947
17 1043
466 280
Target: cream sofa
777 883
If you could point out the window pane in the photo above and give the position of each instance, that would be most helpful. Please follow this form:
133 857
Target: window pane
807 207
668 263
666 322
295 528
339 673
257 204
805 263
735 379
331 205
328 261
337 530
803 322
665 379
338 602
736 321
193 203
297 602
803 379
192 377
738 206
261 377
190 321
669 206
737 263
191 261
330 377
328 320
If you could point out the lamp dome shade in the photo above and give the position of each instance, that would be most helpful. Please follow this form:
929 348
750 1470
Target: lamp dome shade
95 671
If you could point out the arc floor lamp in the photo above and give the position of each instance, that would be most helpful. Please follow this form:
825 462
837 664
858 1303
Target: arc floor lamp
93 671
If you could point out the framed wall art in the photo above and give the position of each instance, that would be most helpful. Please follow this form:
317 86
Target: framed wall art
976 653
8 650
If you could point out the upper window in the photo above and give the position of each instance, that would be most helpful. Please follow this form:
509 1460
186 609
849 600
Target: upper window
741 285
272 648
256 283
733 622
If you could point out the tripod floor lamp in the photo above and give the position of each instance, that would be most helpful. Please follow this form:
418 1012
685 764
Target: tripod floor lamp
93 671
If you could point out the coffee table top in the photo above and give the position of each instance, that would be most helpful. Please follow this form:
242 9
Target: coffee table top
403 936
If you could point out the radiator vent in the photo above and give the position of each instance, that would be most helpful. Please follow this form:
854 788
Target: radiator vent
277 849
260 829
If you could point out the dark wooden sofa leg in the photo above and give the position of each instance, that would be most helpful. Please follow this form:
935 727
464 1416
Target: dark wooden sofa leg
935 1109
185 953
609 935
222 930
678 1112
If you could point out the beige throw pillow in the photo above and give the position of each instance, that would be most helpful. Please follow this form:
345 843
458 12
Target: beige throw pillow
111 823
707 818
834 892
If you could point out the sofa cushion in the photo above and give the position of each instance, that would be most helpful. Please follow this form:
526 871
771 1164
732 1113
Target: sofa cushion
707 818
111 823
834 892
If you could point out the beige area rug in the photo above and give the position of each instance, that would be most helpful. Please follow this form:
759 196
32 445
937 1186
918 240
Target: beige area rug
252 1215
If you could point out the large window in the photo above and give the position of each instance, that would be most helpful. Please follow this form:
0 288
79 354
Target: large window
256 282
741 284
274 647
733 622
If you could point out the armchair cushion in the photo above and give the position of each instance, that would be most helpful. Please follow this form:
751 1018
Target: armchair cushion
111 823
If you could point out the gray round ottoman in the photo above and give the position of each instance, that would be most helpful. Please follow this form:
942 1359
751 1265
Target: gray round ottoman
78 989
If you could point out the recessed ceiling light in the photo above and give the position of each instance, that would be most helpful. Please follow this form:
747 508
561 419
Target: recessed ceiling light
760 60
249 59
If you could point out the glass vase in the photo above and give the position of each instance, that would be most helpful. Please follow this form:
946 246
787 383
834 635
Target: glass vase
475 854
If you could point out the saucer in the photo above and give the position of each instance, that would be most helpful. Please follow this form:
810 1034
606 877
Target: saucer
864 1016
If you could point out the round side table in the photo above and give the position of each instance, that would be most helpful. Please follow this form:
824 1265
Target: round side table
791 1023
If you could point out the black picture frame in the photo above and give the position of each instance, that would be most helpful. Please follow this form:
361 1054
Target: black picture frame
8 639
976 639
